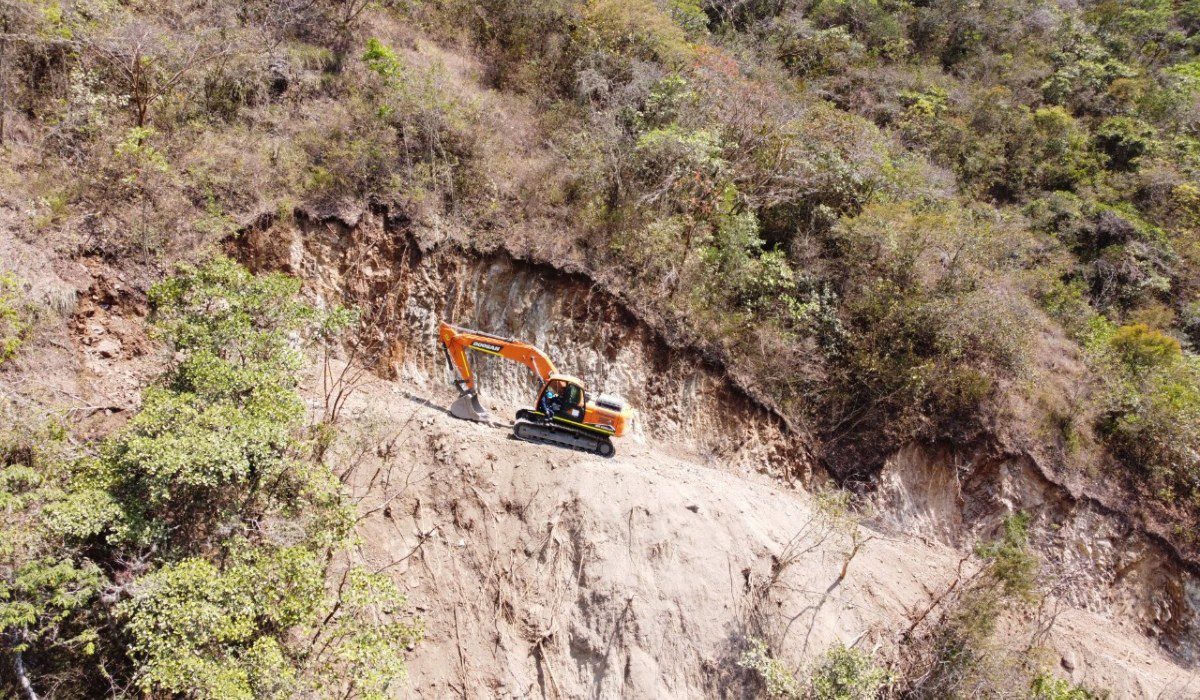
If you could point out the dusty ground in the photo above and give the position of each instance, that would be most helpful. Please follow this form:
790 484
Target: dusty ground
543 572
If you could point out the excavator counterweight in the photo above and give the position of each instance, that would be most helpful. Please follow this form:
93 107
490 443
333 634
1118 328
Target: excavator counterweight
562 413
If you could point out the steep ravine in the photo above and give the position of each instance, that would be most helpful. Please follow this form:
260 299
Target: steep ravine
691 403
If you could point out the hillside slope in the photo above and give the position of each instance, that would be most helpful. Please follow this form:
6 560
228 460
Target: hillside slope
539 570
1094 554
912 288
550 573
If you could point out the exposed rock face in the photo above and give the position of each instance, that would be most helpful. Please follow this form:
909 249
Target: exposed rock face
1100 562
407 289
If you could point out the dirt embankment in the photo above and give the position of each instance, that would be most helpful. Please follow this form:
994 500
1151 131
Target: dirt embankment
547 573
1096 558
406 280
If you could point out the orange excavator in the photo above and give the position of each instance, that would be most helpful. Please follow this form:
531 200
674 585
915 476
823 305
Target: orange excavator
562 414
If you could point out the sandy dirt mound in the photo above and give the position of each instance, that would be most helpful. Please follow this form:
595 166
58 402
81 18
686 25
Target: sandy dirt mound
544 572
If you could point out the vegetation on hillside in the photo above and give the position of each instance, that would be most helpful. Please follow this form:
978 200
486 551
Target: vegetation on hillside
983 636
870 200
189 554
886 212
874 203
16 316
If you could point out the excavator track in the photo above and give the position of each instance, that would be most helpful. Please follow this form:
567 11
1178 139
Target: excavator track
549 433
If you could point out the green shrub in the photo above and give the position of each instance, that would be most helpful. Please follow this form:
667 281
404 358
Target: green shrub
1151 402
1067 303
806 173
1083 72
1153 421
777 680
998 146
928 335
1142 347
381 59
671 159
1124 140
841 673
868 20
1062 157
1011 562
810 53
633 29
690 16
742 275
845 673
16 317
1048 687
960 656
670 98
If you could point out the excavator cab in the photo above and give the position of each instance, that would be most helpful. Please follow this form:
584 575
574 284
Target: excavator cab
564 396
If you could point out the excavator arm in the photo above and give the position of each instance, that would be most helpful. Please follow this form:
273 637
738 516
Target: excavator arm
457 341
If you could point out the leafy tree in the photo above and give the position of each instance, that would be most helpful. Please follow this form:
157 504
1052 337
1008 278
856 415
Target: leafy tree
148 63
744 275
210 632
48 584
170 538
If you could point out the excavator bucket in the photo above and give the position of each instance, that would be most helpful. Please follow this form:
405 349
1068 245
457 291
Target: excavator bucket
467 407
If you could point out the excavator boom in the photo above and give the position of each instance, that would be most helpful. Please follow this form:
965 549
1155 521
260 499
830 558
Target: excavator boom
457 341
